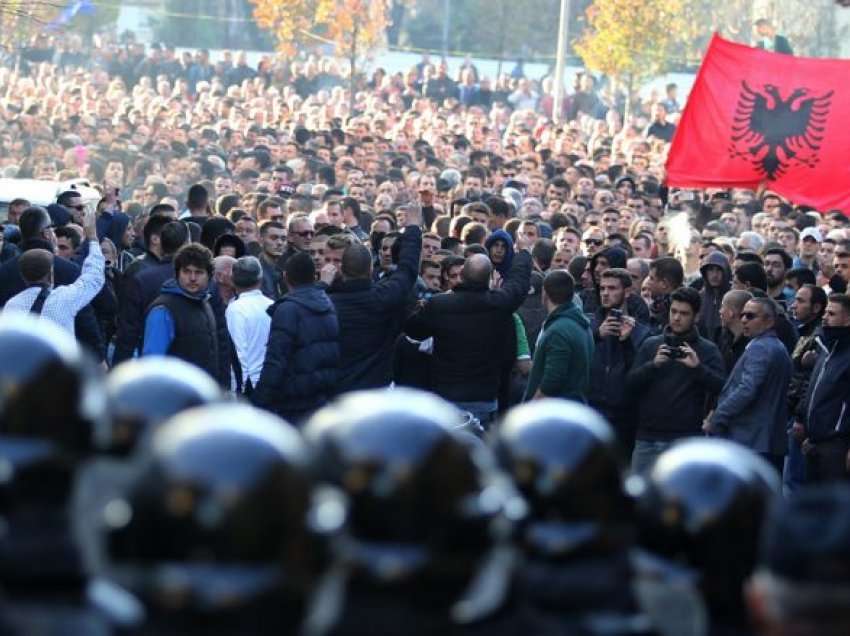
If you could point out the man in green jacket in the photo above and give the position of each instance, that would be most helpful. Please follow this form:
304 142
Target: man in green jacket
564 351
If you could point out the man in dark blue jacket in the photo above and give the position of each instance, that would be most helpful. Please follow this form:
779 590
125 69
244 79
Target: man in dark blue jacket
302 356
618 335
371 314
141 289
824 415
37 232
671 381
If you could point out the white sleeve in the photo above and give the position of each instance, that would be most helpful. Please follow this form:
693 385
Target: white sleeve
88 285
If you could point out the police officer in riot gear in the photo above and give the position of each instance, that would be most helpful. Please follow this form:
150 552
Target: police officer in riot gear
219 530
700 514
144 392
577 573
50 413
429 515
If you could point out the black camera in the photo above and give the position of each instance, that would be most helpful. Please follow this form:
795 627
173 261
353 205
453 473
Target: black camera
616 314
674 346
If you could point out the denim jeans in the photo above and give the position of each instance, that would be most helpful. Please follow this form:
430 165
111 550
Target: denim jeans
484 411
794 476
646 453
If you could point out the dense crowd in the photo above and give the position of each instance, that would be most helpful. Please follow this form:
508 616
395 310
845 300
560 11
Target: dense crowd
297 243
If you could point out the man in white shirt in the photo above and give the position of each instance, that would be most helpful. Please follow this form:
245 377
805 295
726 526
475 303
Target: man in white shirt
247 320
60 304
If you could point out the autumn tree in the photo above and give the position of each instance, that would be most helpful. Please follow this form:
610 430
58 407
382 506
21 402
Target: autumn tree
630 40
352 26
21 19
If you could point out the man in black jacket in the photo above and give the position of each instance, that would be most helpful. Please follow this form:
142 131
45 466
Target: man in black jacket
371 314
824 416
302 356
140 290
37 232
618 336
473 332
673 376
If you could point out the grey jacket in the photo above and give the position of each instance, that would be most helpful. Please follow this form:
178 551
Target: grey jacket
753 406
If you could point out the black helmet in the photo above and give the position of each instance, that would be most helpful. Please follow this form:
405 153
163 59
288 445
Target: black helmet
427 507
701 510
563 458
49 388
50 411
219 529
144 392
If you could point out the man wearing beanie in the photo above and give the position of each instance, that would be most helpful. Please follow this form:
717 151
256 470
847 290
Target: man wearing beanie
248 321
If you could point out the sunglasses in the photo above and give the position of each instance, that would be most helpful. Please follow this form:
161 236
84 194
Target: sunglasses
305 233
749 315
79 208
596 242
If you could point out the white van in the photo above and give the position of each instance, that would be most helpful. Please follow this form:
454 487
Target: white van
42 193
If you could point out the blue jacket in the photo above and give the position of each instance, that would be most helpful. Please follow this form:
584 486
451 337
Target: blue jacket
752 408
371 316
826 410
138 292
302 356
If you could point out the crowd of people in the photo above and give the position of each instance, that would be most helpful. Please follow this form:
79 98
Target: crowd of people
297 243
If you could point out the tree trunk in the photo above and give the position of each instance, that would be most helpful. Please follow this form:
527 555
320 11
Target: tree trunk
630 82
352 79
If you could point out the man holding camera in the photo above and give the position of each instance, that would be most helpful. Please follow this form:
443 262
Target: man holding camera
672 380
618 337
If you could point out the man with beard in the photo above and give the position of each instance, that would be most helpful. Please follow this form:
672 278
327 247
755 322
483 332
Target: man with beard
617 336
776 266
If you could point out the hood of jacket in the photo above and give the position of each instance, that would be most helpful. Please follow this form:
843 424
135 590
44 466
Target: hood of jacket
310 297
568 311
117 229
717 259
172 287
500 235
615 256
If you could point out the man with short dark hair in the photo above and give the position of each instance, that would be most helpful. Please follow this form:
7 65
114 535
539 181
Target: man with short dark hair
666 275
617 336
181 321
303 354
673 376
562 359
272 241
197 205
142 288
351 218
371 314
752 408
777 262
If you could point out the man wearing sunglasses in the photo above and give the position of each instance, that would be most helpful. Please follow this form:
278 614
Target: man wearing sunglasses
753 406
299 235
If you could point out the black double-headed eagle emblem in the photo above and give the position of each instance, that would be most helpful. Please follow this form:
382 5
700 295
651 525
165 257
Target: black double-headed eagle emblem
775 134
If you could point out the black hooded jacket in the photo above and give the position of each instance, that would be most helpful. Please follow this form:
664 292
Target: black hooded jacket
708 321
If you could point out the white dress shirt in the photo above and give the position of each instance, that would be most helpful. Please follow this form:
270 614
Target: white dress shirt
249 325
65 302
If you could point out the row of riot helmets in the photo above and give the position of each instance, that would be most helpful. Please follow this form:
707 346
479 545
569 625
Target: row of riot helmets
149 503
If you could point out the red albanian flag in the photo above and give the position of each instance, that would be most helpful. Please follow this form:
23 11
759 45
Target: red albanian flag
758 118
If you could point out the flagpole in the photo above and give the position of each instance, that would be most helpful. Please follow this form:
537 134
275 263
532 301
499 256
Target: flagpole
560 61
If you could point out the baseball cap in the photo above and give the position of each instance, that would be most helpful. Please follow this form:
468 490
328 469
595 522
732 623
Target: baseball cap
813 233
